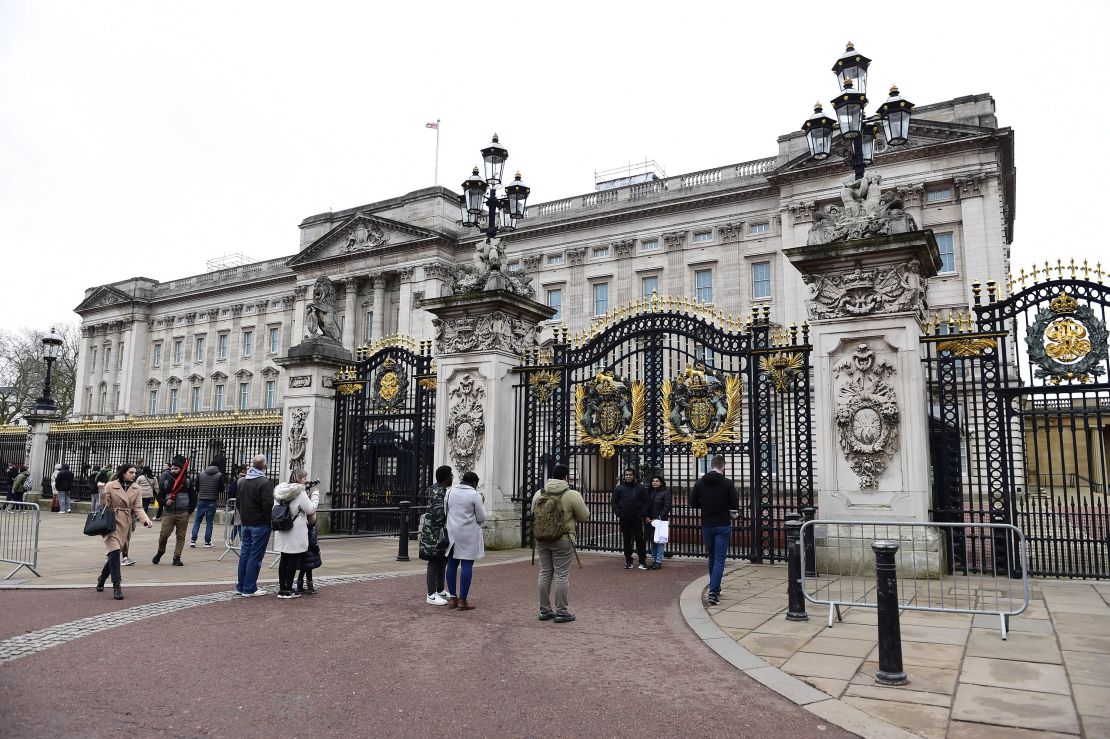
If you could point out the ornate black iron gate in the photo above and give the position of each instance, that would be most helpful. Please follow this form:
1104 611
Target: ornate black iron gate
383 446
1020 403
662 386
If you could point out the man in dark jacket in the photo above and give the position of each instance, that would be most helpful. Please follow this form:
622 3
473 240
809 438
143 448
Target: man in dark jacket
210 484
177 502
63 483
716 496
630 506
254 497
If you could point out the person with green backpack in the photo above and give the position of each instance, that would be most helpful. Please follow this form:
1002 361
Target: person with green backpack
555 511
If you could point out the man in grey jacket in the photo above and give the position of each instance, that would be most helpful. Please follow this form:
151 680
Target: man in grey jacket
210 484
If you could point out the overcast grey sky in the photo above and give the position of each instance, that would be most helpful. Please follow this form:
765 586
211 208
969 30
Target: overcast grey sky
143 138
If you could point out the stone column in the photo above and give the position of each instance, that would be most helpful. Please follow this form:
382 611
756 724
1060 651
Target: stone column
35 453
137 333
299 303
404 313
377 283
868 302
480 337
79 408
578 301
350 315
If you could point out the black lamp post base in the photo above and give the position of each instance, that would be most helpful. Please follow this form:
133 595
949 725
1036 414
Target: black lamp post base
891 678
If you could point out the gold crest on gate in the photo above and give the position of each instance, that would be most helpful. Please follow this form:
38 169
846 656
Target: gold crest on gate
609 412
701 407
390 386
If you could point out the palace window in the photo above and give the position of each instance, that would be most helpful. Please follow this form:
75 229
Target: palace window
703 285
178 351
173 400
600 252
119 360
555 300
92 362
369 325
271 388
107 357
649 245
947 252
221 346
703 236
275 340
103 399
554 260
759 228
219 397
153 403
248 343
244 395
199 354
601 298
761 280
937 196
649 286
195 407
156 358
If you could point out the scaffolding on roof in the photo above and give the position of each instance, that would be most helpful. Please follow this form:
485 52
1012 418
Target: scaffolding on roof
227 261
630 174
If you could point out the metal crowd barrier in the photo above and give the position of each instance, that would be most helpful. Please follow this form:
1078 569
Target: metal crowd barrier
19 535
231 533
976 568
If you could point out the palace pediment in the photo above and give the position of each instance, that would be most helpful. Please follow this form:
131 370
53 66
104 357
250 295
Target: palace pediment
361 234
103 297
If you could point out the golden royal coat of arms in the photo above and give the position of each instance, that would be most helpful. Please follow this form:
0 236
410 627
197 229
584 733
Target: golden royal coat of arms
390 386
609 412
701 407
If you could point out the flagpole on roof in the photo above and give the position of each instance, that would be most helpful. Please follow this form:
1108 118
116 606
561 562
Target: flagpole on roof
437 153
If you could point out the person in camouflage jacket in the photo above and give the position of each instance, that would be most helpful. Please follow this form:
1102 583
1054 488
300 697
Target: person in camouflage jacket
431 533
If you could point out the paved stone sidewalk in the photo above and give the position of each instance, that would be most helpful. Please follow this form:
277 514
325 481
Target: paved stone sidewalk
1050 678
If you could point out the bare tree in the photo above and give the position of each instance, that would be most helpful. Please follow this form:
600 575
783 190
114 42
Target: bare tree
22 371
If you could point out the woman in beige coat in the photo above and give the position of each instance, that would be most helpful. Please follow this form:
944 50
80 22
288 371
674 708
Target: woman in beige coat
122 496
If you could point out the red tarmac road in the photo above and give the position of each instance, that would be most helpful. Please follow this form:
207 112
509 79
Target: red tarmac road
371 659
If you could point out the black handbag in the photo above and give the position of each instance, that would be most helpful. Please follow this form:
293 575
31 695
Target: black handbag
100 521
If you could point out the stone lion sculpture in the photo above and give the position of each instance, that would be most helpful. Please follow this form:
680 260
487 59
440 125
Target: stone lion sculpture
319 314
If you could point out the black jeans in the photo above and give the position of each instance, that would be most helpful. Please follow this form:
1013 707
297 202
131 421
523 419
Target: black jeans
633 529
111 567
436 576
287 570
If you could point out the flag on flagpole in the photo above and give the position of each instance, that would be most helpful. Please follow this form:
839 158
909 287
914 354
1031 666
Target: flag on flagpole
432 125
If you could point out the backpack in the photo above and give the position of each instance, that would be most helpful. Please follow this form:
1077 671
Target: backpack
28 484
281 518
547 518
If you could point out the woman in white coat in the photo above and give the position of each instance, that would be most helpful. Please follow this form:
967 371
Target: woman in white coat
293 543
465 516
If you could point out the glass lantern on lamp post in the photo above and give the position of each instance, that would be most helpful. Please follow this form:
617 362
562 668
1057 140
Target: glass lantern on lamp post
51 350
480 205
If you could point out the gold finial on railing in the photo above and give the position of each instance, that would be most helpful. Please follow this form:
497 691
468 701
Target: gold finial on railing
976 288
766 313
951 323
992 291
1086 270
805 332
1098 271
1059 269
1022 277
1047 271
1010 283
794 334
1071 267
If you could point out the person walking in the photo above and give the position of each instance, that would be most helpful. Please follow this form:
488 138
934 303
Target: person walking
555 511
630 508
435 525
19 484
122 496
210 484
659 509
147 485
465 516
716 496
293 543
63 485
254 500
177 504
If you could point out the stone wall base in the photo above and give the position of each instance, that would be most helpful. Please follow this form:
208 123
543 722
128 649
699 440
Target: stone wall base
502 530
844 549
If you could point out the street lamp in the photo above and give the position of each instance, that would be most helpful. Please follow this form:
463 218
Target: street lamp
480 206
856 129
51 350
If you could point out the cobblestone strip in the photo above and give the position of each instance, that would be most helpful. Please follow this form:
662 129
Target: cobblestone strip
52 636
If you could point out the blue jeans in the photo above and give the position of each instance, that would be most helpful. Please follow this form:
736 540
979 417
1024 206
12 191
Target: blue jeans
63 500
716 547
204 508
657 553
253 549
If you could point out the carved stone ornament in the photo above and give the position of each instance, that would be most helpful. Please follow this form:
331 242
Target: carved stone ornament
1067 341
466 425
624 248
298 438
494 330
867 415
237 310
531 262
365 235
486 272
867 291
730 232
609 412
674 239
319 314
575 257
438 272
297 381
701 407
866 212
389 387
802 212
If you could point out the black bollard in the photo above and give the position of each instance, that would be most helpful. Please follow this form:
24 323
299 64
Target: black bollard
809 514
797 600
890 632
403 543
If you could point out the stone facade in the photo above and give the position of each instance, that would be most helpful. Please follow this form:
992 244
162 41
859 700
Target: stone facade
716 235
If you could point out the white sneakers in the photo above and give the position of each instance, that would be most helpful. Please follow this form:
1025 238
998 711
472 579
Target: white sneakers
444 594
435 599
127 562
255 594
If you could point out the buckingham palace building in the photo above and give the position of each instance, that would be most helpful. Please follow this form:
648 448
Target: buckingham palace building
207 343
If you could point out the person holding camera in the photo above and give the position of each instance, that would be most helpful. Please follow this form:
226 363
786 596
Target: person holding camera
310 560
292 542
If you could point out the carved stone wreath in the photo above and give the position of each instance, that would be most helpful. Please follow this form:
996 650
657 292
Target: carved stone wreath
867 415
1067 341
609 412
298 438
701 407
390 386
466 425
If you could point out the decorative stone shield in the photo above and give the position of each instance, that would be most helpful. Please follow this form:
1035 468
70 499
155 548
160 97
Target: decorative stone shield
701 407
1067 341
867 415
609 412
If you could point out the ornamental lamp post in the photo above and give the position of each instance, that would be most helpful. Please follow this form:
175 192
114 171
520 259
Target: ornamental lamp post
51 350
857 130
480 205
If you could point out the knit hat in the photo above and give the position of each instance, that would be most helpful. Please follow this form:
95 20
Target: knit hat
178 461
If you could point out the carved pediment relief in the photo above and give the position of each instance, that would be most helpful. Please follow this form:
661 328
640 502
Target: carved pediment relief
360 233
269 372
173 381
153 382
244 374
219 376
103 296
196 378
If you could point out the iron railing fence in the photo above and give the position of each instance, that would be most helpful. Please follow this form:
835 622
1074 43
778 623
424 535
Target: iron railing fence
204 439
19 536
844 567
